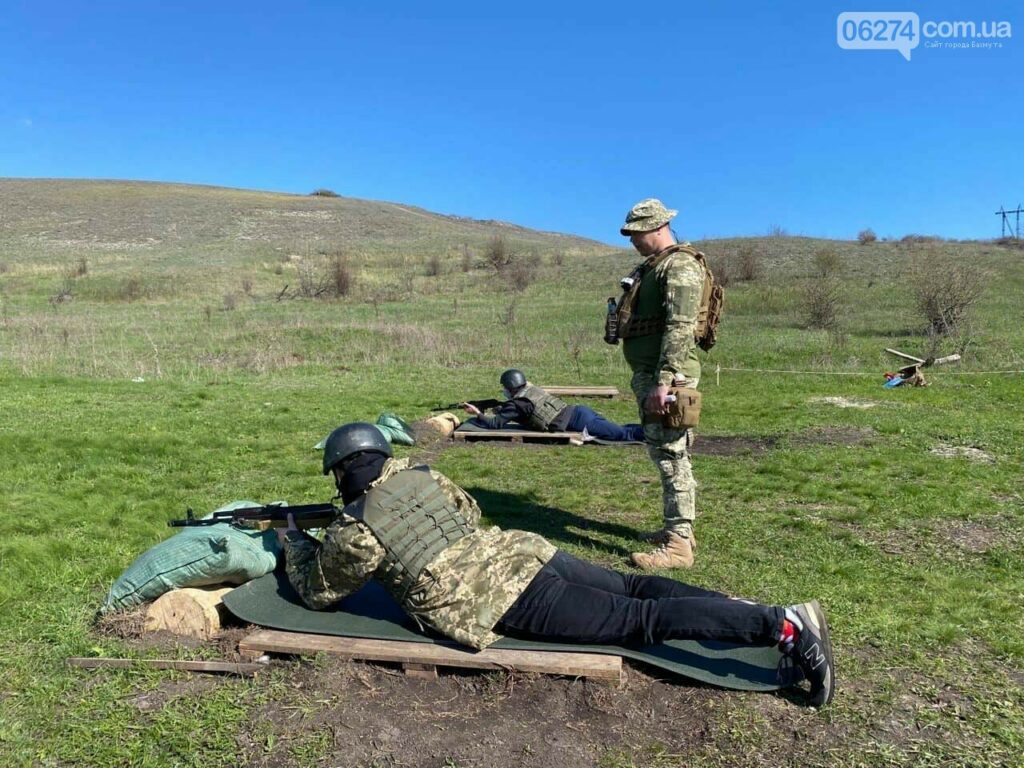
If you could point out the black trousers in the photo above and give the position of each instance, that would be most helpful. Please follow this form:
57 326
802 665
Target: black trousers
571 600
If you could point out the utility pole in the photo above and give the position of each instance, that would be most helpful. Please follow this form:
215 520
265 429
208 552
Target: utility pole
1013 229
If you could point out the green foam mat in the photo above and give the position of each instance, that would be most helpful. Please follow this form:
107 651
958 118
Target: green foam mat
269 601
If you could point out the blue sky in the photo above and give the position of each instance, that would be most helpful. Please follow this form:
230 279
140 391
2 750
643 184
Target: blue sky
744 116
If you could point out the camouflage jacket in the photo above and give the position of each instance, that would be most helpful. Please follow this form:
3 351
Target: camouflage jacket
462 593
659 359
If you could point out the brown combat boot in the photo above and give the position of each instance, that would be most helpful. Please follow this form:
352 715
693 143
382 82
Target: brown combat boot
654 537
676 552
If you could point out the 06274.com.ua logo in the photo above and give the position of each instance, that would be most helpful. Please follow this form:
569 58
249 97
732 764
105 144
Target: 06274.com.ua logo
903 30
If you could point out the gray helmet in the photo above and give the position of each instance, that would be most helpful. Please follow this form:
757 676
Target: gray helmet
350 439
513 379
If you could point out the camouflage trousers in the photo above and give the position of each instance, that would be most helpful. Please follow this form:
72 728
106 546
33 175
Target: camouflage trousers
669 450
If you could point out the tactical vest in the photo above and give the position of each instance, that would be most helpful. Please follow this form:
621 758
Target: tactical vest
641 309
414 520
546 407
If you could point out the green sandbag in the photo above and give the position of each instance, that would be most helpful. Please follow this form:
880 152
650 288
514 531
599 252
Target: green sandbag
395 429
371 613
196 557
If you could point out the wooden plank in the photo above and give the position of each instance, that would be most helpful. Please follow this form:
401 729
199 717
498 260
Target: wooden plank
518 436
583 391
904 355
593 665
229 667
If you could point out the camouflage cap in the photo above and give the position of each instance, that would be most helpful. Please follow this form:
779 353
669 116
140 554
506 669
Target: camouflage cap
646 216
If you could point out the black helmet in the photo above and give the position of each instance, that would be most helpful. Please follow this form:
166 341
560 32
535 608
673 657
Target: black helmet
350 439
513 379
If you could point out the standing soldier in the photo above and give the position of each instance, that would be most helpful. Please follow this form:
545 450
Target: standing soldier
669 306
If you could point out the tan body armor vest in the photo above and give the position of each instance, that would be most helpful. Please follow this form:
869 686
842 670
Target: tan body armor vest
641 309
414 520
546 407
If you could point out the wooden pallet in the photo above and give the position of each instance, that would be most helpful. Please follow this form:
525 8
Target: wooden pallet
519 436
423 659
583 391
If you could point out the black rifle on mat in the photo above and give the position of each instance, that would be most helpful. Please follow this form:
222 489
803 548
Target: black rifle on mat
483 405
267 516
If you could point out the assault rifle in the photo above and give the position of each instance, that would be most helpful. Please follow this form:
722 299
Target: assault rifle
267 516
483 405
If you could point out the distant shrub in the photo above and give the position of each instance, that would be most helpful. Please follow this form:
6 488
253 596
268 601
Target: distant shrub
520 274
722 266
917 239
777 231
946 290
247 286
534 260
130 289
748 263
230 301
466 262
827 262
80 268
1006 242
558 259
340 277
866 236
433 266
820 303
4 267
497 253
323 192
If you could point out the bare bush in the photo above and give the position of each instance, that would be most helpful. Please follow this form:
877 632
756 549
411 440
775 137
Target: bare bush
558 259
866 236
247 286
920 239
946 291
131 289
827 262
340 277
4 267
433 266
498 254
820 303
749 263
723 268
777 231
467 259
324 192
80 268
230 302
519 275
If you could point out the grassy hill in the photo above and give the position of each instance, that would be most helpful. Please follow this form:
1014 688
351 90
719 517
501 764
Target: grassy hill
157 352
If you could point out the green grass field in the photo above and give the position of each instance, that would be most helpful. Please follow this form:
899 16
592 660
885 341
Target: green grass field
120 408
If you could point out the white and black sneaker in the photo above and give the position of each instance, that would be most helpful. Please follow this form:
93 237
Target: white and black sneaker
812 651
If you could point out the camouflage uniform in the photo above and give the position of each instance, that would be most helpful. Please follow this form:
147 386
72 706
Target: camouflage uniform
462 593
667 358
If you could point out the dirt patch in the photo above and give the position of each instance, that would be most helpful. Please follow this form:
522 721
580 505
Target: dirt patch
968 452
722 445
845 402
950 539
168 690
371 715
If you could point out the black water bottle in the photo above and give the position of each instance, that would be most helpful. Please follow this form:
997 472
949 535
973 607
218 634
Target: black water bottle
611 323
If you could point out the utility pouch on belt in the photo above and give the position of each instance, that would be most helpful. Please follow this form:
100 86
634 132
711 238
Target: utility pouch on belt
684 411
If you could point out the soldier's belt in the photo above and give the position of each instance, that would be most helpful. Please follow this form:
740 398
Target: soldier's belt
642 326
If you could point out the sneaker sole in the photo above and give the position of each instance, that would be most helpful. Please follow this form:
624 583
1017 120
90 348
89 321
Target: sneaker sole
817 617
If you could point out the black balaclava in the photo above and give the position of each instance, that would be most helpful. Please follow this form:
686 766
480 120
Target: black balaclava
361 470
